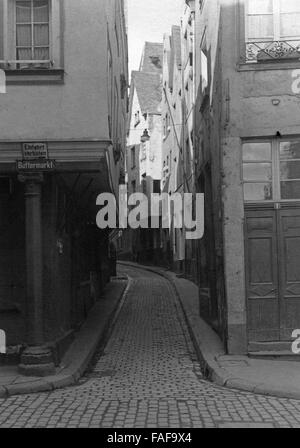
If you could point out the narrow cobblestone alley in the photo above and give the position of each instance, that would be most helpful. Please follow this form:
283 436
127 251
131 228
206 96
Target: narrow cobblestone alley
147 376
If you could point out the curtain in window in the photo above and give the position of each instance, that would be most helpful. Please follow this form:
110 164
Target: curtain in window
40 11
24 54
260 19
32 30
23 11
23 35
273 19
41 54
290 18
41 29
41 35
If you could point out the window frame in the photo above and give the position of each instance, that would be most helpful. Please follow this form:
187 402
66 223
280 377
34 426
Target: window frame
54 74
276 169
133 157
241 38
137 118
32 24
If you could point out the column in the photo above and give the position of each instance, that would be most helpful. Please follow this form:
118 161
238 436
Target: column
37 359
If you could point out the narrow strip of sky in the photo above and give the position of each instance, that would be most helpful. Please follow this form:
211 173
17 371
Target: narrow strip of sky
148 21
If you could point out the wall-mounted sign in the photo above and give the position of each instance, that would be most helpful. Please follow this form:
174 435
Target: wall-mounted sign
34 151
37 165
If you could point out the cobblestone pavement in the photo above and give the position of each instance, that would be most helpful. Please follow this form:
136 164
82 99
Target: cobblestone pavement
148 376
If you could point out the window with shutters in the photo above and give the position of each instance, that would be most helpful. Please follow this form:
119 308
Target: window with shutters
272 30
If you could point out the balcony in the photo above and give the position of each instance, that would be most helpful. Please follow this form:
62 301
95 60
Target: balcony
268 51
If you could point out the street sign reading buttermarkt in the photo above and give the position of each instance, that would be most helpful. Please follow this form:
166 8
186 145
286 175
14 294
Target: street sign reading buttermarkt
35 165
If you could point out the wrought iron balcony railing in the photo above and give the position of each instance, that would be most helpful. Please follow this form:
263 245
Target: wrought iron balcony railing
272 50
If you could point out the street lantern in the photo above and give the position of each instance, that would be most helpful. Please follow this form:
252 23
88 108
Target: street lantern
145 137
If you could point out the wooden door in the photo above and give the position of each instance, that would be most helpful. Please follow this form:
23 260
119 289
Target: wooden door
262 275
289 270
273 273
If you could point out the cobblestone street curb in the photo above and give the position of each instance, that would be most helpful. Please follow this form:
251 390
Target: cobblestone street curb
200 335
208 346
93 333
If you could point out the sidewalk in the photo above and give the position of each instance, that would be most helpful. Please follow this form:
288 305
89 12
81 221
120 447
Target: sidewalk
274 378
94 332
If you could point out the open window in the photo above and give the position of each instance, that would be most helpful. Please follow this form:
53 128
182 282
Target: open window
272 30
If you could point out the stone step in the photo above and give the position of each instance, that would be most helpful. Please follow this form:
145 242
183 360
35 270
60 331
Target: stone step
272 346
280 355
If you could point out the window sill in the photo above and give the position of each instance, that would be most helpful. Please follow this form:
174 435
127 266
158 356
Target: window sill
270 65
34 76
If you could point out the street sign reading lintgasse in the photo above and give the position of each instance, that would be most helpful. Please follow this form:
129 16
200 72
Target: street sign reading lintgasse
34 151
37 165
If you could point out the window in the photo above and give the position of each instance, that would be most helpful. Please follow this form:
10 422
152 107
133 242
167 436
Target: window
290 170
271 171
156 186
144 184
31 41
204 71
168 122
133 157
32 32
137 118
133 186
257 172
166 125
272 29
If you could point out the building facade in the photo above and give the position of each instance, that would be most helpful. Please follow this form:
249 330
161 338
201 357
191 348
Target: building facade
247 138
144 143
188 119
62 142
172 149
178 106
